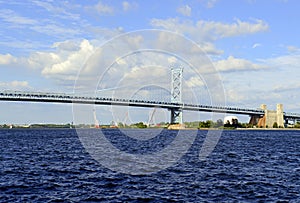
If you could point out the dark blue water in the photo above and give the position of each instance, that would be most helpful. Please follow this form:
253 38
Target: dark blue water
246 166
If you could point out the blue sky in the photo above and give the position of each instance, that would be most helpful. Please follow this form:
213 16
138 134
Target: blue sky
253 45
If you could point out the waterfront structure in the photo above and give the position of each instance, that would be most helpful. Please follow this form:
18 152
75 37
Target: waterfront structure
272 118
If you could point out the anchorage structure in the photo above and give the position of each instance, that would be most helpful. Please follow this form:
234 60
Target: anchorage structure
176 94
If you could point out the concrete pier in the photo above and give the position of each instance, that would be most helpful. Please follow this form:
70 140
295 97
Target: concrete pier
270 118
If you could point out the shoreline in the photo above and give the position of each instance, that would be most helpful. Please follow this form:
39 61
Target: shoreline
206 129
268 129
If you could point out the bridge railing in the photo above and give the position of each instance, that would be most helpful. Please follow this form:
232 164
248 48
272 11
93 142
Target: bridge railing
72 98
291 115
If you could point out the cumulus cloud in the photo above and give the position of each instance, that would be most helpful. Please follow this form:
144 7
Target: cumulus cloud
195 81
7 59
185 10
66 45
237 28
145 73
210 48
15 85
62 64
72 63
69 58
179 45
236 64
40 60
128 61
175 43
205 33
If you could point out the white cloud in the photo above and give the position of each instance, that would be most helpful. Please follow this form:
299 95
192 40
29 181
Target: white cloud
173 24
126 5
292 48
71 63
69 57
221 30
58 11
129 6
102 9
277 81
172 60
175 43
56 30
145 73
205 33
288 86
210 30
185 10
62 64
236 64
284 61
7 59
178 45
195 81
235 96
39 60
256 45
210 48
210 3
12 17
66 45
15 85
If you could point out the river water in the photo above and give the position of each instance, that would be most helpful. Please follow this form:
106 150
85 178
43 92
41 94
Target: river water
52 165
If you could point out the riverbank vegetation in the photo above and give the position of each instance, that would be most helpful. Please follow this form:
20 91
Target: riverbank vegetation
189 125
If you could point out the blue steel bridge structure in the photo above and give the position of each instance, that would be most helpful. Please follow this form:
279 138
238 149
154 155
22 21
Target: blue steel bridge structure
173 106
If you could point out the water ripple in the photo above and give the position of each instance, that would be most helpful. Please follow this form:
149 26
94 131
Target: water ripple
246 166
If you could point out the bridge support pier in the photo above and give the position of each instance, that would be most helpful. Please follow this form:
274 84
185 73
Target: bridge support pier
176 116
270 117
254 119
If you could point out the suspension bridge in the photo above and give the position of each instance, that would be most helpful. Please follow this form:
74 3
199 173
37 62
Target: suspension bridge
175 106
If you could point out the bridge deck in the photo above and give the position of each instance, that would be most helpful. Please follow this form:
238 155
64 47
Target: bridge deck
71 98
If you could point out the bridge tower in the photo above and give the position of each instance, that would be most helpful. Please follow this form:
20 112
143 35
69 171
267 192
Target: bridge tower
176 94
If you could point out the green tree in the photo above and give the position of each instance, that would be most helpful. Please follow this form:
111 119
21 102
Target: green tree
275 125
206 124
121 125
297 125
227 124
140 125
219 123
202 124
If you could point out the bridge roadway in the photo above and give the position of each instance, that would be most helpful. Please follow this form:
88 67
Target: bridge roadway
71 98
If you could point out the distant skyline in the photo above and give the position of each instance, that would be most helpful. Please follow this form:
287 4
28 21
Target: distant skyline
254 46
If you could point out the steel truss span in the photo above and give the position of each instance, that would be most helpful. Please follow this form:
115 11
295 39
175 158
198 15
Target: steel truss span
72 98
